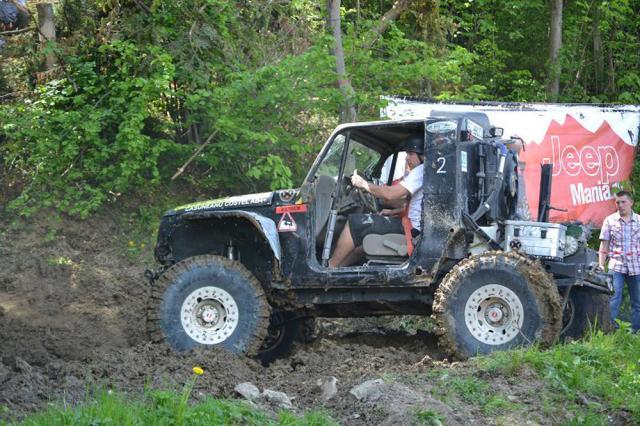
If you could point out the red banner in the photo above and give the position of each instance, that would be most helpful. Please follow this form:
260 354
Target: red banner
587 167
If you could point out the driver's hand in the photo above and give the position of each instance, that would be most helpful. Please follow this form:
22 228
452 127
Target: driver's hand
359 182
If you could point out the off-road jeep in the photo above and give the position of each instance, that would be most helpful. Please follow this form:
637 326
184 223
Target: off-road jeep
244 272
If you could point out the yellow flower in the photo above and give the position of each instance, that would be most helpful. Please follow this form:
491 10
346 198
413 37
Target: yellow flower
131 244
198 370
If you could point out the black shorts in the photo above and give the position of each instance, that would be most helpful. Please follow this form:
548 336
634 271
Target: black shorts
362 225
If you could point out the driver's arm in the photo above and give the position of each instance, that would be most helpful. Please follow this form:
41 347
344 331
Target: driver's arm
386 193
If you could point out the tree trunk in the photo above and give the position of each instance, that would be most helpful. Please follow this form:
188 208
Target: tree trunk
347 110
611 83
47 30
555 44
598 57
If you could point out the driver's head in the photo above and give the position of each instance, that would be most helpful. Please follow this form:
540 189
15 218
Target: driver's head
414 146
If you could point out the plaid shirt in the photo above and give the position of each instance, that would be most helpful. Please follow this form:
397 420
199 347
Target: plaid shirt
624 243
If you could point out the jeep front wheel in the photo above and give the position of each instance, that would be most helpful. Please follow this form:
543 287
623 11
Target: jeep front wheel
208 301
496 301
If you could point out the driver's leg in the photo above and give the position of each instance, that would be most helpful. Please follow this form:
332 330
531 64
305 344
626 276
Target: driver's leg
344 247
354 257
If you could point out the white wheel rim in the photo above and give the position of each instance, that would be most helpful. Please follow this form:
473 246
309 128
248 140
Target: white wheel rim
209 315
494 314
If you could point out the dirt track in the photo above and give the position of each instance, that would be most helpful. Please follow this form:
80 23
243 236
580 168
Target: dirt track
72 313
72 300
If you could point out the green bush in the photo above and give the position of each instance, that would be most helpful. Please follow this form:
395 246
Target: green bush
84 139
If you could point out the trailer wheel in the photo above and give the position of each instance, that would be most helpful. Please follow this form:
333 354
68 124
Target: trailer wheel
586 309
208 301
496 301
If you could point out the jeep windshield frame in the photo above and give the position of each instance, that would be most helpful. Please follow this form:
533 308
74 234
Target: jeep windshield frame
381 136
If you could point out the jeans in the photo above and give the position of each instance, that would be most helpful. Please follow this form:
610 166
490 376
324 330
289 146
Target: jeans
633 282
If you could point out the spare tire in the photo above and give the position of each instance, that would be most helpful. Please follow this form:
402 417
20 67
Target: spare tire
496 301
208 301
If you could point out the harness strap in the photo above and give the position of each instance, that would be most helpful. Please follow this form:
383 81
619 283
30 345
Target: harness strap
406 225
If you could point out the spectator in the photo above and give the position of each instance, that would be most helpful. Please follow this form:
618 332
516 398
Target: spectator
13 15
620 242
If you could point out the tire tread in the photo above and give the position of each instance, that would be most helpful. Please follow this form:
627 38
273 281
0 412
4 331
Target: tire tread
170 275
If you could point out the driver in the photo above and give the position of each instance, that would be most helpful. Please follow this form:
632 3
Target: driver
348 250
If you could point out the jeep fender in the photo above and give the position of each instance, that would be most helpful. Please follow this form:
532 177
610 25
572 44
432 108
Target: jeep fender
265 226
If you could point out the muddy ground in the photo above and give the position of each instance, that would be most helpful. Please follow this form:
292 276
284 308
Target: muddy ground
72 300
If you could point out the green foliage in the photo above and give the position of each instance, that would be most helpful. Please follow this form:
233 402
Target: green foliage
141 87
85 138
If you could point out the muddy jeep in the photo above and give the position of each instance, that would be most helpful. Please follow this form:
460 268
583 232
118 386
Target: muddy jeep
245 273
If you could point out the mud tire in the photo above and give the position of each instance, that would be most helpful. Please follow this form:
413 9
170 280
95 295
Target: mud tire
586 310
181 282
308 330
282 332
532 295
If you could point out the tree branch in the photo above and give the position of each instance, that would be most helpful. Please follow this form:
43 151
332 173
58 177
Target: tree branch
194 155
392 14
20 31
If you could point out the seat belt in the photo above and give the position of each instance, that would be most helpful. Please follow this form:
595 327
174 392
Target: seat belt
406 225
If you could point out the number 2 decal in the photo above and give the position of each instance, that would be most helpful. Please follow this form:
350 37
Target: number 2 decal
441 168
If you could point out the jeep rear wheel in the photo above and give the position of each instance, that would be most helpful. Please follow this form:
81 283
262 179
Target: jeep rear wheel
283 329
586 309
208 301
496 301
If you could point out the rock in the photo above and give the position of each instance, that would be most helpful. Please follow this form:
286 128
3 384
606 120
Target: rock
512 398
328 388
280 399
4 372
73 382
248 391
370 390
23 366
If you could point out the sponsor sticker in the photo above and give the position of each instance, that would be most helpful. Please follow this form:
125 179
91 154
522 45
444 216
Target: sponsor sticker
230 202
295 208
442 126
287 224
475 129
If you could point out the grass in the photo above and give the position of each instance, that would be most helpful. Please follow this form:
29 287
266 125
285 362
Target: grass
602 371
478 392
429 418
165 408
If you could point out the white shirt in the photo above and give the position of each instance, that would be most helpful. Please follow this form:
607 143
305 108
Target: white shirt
413 183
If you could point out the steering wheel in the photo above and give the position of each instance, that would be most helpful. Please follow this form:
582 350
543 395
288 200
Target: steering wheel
363 198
